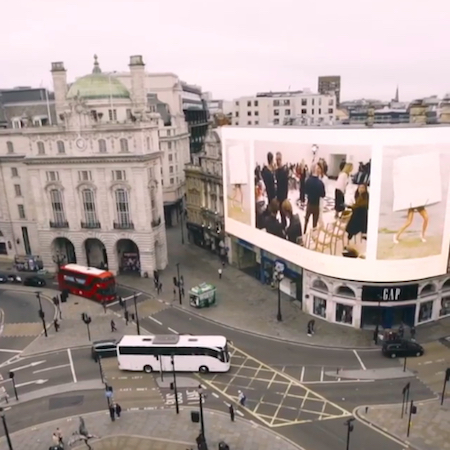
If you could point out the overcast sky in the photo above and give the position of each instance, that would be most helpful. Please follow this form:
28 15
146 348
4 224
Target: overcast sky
237 47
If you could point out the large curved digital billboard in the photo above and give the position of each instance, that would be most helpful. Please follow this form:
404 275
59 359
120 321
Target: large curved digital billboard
358 204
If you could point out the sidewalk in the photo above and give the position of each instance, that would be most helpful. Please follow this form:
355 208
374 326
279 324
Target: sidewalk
430 428
73 331
241 297
162 430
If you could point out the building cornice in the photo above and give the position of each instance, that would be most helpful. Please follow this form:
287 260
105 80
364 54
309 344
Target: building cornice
10 158
93 159
174 137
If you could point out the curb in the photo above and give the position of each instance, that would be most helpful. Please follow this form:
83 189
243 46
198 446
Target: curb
137 410
50 352
252 333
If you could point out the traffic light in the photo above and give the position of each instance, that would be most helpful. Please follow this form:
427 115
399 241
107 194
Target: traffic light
175 281
413 409
11 375
172 387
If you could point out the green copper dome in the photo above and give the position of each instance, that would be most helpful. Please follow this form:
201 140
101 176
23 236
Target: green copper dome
97 85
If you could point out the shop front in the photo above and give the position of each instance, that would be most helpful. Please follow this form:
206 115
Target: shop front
245 256
195 233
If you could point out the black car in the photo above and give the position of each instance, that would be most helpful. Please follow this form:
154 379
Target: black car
34 281
3 278
404 348
104 349
14 278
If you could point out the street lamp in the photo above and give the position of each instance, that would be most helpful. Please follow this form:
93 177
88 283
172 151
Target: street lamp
202 422
138 328
41 313
405 400
87 320
279 275
349 424
11 377
59 259
5 427
179 284
173 385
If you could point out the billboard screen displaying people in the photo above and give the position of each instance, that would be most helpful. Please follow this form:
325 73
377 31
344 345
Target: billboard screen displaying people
359 204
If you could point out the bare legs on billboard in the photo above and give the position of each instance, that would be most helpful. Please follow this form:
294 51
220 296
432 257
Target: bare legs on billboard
409 219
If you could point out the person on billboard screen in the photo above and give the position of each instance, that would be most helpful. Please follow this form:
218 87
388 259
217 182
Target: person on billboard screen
272 224
315 191
341 187
294 229
268 177
282 179
358 221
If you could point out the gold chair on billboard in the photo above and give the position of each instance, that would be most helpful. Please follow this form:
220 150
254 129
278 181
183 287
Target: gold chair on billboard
321 239
340 229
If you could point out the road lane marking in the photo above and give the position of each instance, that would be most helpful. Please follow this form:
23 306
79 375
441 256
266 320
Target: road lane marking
33 364
337 381
2 324
359 360
51 368
155 320
215 395
302 375
172 330
321 374
8 350
31 382
72 367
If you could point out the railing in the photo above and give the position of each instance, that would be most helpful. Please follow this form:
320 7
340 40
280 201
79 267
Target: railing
123 225
91 225
59 224
156 223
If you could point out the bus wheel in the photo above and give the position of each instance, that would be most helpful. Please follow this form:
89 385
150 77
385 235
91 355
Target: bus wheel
203 369
148 369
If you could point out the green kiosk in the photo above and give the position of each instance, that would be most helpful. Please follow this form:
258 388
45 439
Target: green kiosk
202 296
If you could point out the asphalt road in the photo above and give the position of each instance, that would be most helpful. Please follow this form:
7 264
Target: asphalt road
21 322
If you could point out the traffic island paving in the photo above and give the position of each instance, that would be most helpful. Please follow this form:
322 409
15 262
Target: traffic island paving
166 430
429 428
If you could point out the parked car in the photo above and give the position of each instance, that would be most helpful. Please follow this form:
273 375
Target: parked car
104 349
14 278
3 278
402 349
34 281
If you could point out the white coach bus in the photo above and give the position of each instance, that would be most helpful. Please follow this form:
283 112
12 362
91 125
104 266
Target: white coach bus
189 353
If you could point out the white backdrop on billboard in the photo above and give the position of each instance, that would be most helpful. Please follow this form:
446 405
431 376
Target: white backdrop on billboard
357 204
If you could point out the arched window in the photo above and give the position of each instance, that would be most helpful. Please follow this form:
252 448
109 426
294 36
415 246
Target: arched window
122 208
56 200
89 211
41 148
124 145
428 289
9 147
345 291
61 147
446 285
102 146
319 285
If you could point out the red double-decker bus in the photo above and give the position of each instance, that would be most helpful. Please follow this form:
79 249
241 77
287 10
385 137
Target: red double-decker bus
89 282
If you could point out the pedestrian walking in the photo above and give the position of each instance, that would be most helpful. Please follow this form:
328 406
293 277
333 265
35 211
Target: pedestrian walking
126 314
182 291
113 326
112 413
242 398
117 410
56 325
220 273
60 437
412 332
160 288
223 263
55 439
231 411
401 331
121 302
174 294
375 335
310 328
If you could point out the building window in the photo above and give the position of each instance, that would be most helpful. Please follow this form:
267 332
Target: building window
21 210
14 172
169 146
112 113
41 148
304 101
445 306
52 176
276 112
256 122
154 203
249 103
330 110
129 115
425 311
287 112
170 157
236 103
236 123
169 132
40 121
124 145
312 102
171 181
56 201
17 123
255 103
171 169
320 307
276 121
61 148
90 214
18 190
122 207
286 102
256 113
119 175
312 111
303 111
320 101
237 113
330 102
320 111
249 113
276 103
102 146
344 313
9 147
85 175
249 122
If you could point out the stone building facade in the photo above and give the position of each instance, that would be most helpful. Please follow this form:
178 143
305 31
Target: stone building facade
88 188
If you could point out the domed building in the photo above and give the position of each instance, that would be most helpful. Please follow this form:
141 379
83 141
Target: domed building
90 185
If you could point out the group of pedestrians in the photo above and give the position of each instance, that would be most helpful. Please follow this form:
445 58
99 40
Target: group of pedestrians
115 410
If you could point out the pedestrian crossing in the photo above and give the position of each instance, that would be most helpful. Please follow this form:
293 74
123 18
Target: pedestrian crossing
149 307
310 375
24 329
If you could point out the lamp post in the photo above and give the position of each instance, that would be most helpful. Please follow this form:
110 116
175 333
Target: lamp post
59 259
100 367
13 381
5 427
202 422
279 275
179 284
174 384
138 328
87 320
405 400
41 313
349 424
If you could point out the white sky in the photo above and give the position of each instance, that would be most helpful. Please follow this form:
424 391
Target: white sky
237 47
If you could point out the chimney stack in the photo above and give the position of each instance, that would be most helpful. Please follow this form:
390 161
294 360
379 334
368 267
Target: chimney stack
138 91
59 76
